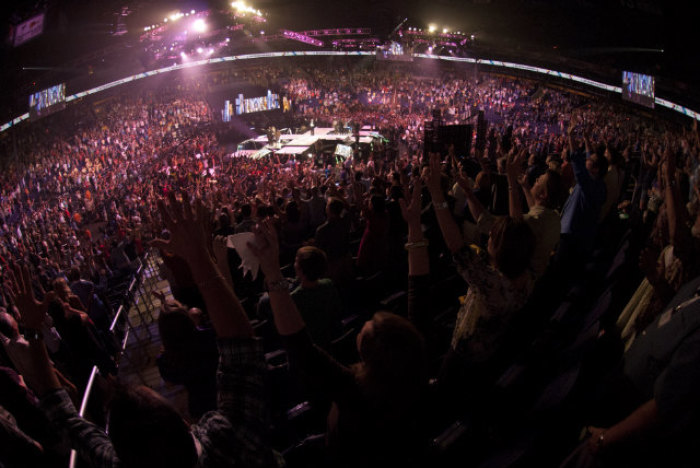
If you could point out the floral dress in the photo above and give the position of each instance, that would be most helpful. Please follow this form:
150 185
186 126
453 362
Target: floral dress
490 303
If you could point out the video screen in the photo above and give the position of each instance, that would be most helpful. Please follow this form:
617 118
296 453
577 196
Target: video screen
47 101
393 51
638 88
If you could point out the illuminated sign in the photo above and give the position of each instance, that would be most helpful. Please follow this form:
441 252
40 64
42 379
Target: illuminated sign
29 29
246 105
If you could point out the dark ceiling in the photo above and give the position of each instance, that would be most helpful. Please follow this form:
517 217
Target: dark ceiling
623 33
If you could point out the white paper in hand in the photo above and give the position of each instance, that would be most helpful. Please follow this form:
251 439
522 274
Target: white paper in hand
249 262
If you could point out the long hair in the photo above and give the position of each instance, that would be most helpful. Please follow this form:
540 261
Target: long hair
148 432
393 368
177 331
555 190
513 244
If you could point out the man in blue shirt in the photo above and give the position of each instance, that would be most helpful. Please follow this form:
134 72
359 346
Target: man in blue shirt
579 217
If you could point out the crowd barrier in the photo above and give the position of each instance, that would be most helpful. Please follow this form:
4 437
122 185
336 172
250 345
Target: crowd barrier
136 297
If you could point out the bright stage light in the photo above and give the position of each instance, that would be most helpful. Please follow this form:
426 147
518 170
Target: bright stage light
432 28
444 30
199 50
165 20
242 8
192 12
199 26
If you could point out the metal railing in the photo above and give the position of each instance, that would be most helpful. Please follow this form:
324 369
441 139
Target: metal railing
138 293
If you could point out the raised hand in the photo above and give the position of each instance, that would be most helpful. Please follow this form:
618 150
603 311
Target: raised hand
411 211
514 163
572 123
522 180
464 182
434 175
189 226
220 251
32 312
267 249
669 163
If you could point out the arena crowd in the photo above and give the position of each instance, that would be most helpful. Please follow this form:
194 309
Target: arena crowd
566 246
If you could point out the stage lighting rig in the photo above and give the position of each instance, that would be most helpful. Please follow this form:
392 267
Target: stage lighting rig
242 8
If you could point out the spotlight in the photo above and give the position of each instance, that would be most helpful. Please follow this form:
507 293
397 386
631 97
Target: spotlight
444 30
192 12
183 55
199 50
262 33
165 20
199 26
228 39
432 28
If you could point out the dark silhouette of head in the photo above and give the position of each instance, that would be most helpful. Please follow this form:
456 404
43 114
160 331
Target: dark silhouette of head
393 358
176 328
511 244
311 262
147 432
